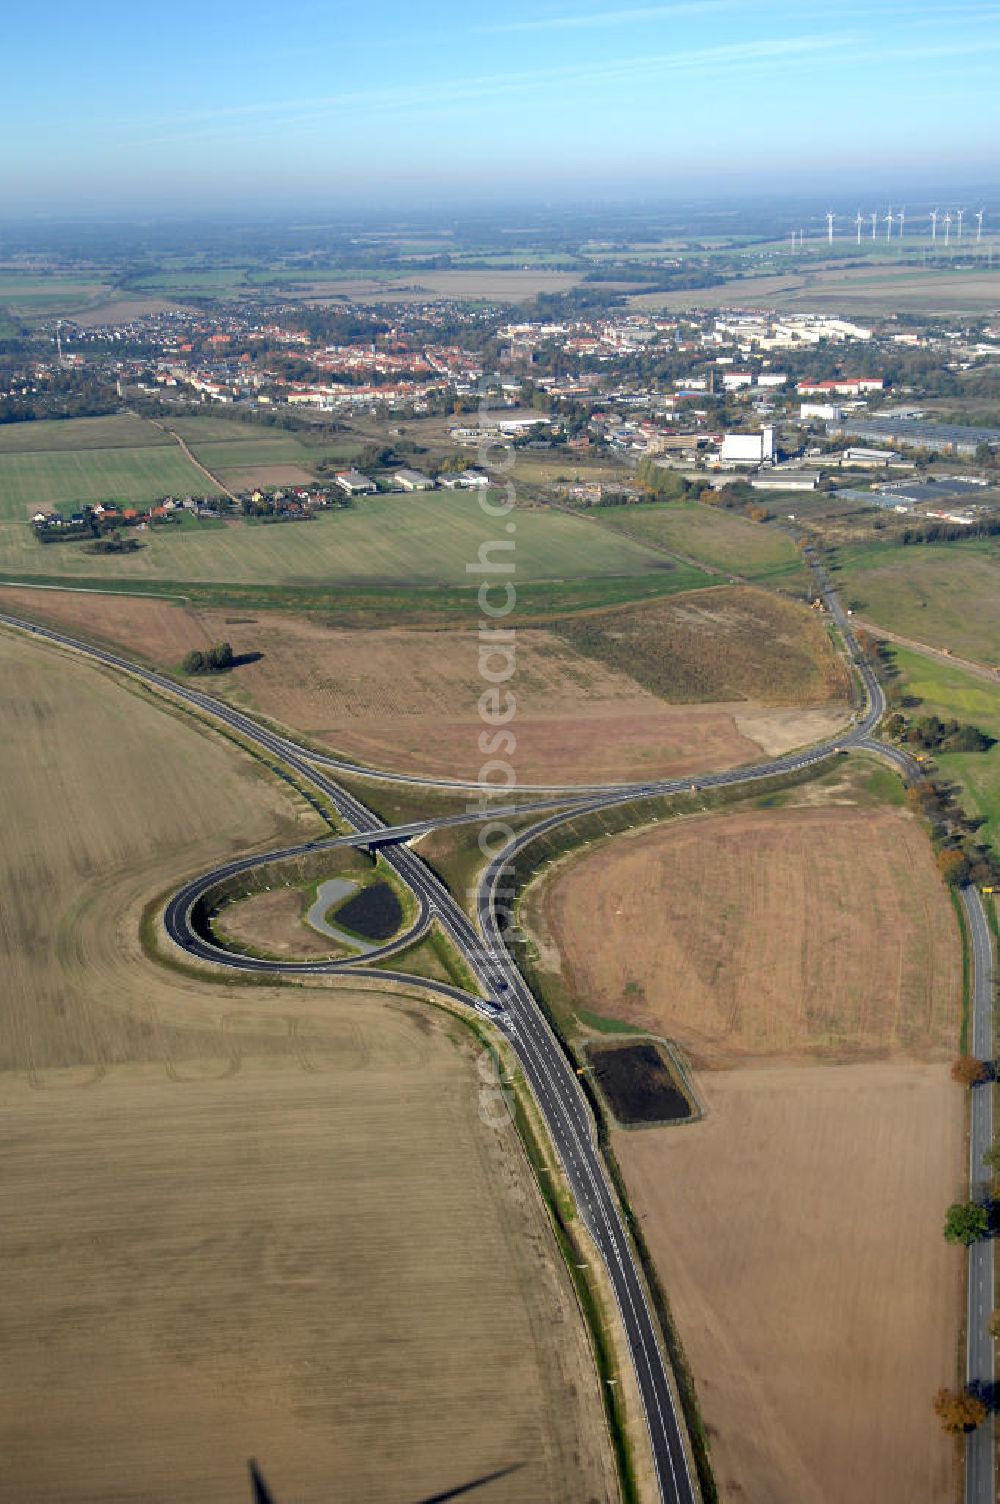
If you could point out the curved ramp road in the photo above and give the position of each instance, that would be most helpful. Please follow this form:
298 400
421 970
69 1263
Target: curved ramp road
482 945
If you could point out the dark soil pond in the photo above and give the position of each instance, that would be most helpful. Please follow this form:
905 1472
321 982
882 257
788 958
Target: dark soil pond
375 913
639 1084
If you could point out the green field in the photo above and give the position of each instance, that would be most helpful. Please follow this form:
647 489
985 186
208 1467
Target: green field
946 595
223 445
386 540
719 539
33 292
119 431
61 478
949 692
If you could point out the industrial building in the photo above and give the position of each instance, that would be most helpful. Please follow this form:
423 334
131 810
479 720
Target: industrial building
917 434
748 448
354 483
413 480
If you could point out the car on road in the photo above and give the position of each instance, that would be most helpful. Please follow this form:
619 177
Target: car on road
490 1008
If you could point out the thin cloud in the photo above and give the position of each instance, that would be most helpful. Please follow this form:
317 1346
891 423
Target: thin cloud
640 13
438 96
680 9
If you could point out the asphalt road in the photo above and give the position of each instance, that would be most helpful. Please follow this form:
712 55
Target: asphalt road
979 1447
549 1073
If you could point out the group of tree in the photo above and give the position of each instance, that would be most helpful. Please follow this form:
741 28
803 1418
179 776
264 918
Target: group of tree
115 543
661 483
960 857
69 395
214 660
951 532
931 734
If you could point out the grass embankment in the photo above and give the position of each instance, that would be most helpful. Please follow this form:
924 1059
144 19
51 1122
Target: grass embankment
434 957
376 605
714 537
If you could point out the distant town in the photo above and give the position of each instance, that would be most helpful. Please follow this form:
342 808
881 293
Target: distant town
776 403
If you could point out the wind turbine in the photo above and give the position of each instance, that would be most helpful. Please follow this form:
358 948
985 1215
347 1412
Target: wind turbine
888 225
947 228
859 222
829 226
979 224
934 219
958 214
874 223
902 220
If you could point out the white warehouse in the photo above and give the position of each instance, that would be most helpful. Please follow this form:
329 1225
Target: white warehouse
748 448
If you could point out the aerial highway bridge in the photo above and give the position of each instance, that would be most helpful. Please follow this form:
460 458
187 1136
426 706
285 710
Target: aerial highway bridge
479 937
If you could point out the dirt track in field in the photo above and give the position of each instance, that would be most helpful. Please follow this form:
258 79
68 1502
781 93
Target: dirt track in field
242 1220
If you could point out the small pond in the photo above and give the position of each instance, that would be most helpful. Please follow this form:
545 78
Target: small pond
639 1083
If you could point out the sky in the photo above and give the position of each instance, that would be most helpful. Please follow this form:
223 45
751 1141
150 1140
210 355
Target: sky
218 104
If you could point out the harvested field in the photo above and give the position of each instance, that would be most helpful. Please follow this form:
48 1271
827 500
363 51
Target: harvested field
122 310
267 477
797 1231
725 644
823 932
242 1220
797 1228
868 288
578 719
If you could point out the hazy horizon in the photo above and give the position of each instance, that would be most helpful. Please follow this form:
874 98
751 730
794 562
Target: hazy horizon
229 109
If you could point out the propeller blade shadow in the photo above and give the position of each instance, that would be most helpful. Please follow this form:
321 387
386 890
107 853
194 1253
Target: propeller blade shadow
467 1488
261 1493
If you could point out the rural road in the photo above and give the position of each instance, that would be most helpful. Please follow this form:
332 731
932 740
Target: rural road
482 945
980 1358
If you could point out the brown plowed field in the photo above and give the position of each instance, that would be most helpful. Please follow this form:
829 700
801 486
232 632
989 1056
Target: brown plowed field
797 1228
242 1220
246 477
824 931
798 1234
407 699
